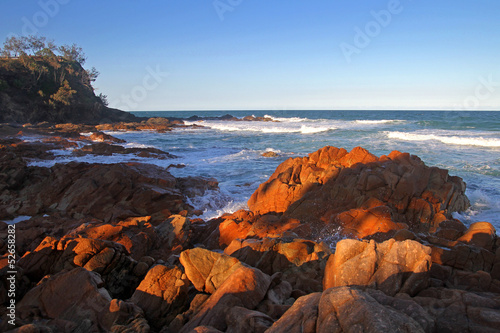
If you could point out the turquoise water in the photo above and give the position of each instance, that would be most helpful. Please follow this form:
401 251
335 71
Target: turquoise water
465 143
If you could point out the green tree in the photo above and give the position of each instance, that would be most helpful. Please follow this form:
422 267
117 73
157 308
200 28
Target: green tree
35 44
73 53
63 95
14 47
93 74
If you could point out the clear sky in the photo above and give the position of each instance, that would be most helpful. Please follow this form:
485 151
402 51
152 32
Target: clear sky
278 55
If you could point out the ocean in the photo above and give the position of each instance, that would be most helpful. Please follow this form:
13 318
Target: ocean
465 143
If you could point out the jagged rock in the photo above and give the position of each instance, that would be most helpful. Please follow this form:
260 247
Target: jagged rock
162 295
107 258
245 287
240 319
208 270
347 309
76 301
300 318
331 181
301 261
392 267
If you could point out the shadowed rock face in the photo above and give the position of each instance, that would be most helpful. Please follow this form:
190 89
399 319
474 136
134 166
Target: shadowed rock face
331 181
392 267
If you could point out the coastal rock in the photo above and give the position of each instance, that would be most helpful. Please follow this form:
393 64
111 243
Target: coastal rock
392 267
136 234
240 319
270 154
176 230
301 261
331 181
348 309
245 287
162 295
300 318
480 234
208 270
105 192
106 149
109 259
86 308
103 137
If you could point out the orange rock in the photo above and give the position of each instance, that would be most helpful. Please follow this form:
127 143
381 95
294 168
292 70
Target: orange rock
331 181
373 223
162 295
480 234
245 287
391 266
207 270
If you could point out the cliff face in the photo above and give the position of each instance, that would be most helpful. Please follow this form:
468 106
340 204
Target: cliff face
35 89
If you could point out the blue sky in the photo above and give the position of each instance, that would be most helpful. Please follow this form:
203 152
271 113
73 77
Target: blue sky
278 55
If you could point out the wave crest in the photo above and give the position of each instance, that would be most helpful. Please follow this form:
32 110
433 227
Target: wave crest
452 140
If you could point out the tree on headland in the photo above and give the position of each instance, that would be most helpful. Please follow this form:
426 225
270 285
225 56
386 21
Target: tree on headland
49 71
14 47
73 53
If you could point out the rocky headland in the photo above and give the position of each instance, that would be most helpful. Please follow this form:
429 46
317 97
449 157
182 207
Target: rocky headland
336 241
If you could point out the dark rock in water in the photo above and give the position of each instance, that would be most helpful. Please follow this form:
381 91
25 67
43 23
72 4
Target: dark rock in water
109 149
270 154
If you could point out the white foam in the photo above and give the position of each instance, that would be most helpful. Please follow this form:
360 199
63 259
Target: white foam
287 120
483 208
266 127
215 203
452 140
376 122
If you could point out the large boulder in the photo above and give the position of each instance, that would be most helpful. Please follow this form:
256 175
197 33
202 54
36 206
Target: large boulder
331 181
301 261
345 309
76 301
162 295
246 287
392 267
111 260
208 270
300 318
